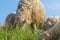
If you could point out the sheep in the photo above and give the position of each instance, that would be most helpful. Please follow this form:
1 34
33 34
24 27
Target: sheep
51 34
11 20
31 12
50 22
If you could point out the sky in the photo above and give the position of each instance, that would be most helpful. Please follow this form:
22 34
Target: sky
52 8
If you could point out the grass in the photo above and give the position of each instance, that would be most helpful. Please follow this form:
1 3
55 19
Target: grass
16 34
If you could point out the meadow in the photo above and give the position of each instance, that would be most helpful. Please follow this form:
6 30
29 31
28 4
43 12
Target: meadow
18 34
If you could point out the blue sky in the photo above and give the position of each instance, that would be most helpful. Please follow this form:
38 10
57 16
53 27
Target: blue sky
52 8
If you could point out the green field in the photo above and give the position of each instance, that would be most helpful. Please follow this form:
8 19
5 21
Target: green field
18 34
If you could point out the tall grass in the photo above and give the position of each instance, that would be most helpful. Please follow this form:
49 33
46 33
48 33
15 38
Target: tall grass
18 34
